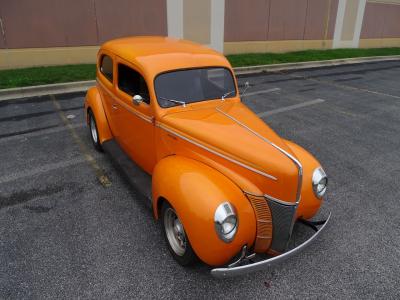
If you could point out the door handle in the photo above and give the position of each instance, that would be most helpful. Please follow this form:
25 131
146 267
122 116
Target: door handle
114 106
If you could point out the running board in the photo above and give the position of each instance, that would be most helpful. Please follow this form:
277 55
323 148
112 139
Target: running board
134 174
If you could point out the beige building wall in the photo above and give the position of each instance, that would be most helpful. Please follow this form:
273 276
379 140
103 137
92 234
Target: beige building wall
197 21
46 32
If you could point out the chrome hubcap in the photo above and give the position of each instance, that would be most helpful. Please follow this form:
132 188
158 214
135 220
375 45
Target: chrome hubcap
175 233
93 130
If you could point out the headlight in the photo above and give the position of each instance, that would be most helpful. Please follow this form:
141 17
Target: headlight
319 182
226 222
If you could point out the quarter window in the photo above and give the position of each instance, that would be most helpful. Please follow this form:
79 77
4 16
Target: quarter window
132 83
106 67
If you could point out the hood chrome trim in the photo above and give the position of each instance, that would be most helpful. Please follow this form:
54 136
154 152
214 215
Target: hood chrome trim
291 157
162 126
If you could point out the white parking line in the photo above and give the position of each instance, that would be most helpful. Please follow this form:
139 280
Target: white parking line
41 169
262 92
38 133
290 107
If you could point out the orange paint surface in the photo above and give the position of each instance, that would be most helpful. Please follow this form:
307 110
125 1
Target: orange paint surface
199 155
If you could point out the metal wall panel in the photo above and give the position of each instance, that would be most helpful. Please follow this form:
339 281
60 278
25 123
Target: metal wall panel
48 23
60 23
246 21
319 17
373 22
287 19
381 21
262 20
391 29
130 17
332 18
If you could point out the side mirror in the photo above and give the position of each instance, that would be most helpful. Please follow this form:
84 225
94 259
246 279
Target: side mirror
246 86
137 99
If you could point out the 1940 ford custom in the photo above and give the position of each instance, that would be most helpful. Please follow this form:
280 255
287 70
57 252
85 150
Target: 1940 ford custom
226 188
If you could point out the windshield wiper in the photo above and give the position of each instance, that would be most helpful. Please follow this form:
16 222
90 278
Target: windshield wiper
174 101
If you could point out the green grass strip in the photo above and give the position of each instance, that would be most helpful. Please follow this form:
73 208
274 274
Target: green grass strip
46 75
253 59
68 73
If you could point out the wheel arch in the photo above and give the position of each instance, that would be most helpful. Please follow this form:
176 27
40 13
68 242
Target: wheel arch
195 190
94 103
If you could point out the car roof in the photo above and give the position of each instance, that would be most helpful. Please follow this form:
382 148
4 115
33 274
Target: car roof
157 54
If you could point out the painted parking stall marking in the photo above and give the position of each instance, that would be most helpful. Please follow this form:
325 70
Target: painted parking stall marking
36 132
262 92
42 169
290 107
101 176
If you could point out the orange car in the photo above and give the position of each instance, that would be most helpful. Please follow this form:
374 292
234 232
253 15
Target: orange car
225 186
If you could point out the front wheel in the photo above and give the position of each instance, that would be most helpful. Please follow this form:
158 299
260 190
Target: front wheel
175 235
94 133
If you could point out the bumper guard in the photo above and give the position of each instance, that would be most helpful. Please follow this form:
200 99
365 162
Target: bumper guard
261 265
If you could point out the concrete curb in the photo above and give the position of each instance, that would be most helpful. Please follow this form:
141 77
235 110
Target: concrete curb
41 90
81 86
312 64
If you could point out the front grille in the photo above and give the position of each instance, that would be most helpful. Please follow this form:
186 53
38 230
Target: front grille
264 223
282 221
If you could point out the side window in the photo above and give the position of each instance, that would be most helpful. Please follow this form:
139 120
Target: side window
106 67
132 83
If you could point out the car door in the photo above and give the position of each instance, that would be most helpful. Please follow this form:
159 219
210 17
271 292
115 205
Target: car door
134 121
105 82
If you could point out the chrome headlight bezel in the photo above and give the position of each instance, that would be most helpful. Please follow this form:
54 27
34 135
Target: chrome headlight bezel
319 182
226 221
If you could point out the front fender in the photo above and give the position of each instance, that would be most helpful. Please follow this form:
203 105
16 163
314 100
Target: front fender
309 203
94 102
195 190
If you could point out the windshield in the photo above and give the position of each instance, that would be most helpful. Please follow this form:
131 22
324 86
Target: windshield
194 85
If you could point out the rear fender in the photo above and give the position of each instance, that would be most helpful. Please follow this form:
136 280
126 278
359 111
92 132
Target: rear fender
195 190
93 101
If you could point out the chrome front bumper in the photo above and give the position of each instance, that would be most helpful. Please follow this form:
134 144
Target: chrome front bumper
261 265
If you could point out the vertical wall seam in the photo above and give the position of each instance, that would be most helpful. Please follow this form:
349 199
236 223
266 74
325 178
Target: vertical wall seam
383 28
269 19
305 20
3 31
327 20
96 21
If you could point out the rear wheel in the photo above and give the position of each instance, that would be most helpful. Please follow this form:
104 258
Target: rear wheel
175 235
94 133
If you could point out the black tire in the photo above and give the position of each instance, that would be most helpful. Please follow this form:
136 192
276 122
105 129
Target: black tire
188 257
94 133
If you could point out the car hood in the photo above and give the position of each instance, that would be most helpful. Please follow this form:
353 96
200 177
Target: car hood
236 132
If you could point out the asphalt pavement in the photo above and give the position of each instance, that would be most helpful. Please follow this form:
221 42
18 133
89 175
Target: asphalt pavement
72 227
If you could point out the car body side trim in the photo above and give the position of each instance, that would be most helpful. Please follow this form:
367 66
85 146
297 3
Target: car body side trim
160 125
262 265
291 157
